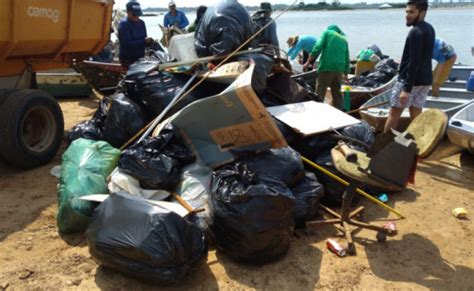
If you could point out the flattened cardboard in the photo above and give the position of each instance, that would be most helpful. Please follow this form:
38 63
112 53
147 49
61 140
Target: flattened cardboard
309 118
234 120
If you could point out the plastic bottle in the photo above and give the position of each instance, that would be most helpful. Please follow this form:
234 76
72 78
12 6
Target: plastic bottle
347 98
470 82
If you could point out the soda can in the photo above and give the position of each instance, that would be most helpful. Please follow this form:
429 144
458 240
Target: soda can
391 227
336 247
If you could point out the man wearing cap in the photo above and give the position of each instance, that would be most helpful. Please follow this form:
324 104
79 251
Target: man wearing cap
299 43
445 56
414 76
261 18
334 64
132 35
175 17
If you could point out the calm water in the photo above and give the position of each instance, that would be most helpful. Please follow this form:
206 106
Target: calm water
364 27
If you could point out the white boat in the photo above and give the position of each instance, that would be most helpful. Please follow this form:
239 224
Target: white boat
461 128
377 116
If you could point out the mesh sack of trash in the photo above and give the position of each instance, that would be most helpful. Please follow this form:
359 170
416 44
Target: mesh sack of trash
84 170
223 28
307 192
145 241
252 214
157 161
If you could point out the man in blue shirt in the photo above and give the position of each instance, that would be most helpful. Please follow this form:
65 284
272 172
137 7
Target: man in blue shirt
299 43
261 18
132 35
175 17
445 56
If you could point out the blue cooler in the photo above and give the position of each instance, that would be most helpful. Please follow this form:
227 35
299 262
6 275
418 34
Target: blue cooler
470 82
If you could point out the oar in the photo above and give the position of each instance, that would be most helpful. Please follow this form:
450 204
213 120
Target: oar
345 183
368 107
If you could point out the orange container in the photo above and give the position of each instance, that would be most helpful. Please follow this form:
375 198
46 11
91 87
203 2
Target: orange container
48 34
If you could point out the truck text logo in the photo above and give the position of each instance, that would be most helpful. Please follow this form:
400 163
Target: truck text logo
52 14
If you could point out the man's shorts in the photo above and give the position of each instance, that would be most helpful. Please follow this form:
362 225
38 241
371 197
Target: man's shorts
416 97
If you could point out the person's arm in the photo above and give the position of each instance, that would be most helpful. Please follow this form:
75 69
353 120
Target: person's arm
293 52
415 39
318 47
166 21
125 38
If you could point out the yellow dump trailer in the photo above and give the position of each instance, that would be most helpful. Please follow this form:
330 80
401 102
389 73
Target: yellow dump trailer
38 35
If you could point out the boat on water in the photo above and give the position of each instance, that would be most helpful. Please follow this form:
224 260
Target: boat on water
461 128
377 116
358 94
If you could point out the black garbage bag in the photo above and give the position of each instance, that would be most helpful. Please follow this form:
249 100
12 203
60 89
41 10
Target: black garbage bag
136 238
263 67
284 164
124 120
252 214
156 91
361 132
223 28
91 129
157 162
307 194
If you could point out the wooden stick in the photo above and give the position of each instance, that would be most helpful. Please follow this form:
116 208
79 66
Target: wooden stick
185 204
345 183
368 107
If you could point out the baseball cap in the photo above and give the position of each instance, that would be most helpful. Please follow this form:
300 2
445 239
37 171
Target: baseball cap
171 4
135 8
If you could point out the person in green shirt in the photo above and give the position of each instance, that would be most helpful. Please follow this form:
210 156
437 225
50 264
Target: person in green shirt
333 66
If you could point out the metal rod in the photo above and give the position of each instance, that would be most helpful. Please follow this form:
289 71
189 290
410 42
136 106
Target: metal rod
345 183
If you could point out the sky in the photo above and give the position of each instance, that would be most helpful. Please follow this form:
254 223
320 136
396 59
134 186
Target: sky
194 3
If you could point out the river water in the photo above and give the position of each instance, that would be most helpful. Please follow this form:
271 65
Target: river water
386 28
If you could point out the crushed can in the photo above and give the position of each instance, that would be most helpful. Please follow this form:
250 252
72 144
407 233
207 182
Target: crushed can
335 247
391 227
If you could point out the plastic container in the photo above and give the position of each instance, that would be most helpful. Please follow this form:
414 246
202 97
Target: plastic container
182 47
347 98
470 82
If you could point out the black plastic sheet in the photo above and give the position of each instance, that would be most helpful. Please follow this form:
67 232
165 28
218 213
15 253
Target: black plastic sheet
252 214
223 28
91 129
157 162
141 240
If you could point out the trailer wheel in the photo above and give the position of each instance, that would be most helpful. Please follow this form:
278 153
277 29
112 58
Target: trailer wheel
31 128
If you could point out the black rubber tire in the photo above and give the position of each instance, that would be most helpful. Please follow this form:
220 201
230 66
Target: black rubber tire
4 93
15 117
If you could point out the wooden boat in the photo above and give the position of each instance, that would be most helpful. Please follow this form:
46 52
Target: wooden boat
102 77
63 83
359 95
378 115
461 128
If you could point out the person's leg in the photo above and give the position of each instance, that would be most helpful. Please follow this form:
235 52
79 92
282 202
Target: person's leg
418 96
396 108
337 100
393 118
322 84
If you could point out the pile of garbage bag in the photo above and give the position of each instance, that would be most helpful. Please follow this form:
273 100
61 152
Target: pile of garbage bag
248 206
383 72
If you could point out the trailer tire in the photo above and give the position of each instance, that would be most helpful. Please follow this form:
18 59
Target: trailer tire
31 128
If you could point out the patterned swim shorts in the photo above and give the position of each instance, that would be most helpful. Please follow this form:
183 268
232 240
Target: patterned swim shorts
416 97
